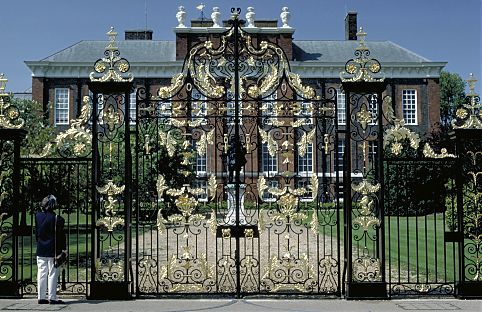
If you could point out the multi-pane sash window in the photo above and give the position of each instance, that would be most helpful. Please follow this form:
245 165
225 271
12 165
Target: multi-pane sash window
305 162
373 108
201 160
409 106
340 154
132 107
341 106
198 105
62 106
306 112
230 108
165 112
270 164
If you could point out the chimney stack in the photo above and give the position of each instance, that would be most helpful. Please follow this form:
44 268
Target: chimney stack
138 34
351 26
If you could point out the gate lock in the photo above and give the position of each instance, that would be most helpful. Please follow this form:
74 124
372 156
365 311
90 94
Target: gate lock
242 231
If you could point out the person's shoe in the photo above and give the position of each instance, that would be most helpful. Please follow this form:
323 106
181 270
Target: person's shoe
43 301
56 302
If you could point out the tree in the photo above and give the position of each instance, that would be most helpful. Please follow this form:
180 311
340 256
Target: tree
39 130
452 95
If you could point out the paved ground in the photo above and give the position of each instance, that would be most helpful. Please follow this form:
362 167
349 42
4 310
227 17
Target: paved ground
244 305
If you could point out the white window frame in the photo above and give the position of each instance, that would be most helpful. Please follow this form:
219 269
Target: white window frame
372 150
62 105
304 161
272 162
373 108
132 107
201 163
199 104
230 109
340 154
341 107
269 112
409 106
306 113
164 112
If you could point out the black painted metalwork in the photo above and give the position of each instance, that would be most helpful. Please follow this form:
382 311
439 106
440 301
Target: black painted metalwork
263 219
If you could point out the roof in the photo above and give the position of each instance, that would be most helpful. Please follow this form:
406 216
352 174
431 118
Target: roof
133 50
342 51
303 50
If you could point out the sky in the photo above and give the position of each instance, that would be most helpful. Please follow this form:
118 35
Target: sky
440 30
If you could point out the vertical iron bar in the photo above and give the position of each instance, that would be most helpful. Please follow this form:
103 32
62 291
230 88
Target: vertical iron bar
128 183
379 170
95 176
347 190
237 143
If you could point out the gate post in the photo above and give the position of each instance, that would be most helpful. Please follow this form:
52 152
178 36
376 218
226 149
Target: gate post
362 178
468 138
111 176
11 136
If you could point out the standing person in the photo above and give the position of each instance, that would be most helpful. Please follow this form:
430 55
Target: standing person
50 236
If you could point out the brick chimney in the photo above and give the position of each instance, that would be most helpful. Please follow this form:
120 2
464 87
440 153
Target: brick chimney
145 34
351 26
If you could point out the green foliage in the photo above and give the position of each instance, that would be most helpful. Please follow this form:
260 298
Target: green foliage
415 188
39 130
452 95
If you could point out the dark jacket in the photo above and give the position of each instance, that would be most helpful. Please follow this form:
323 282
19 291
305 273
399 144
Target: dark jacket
45 229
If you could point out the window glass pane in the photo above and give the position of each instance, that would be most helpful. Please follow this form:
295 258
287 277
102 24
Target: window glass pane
61 106
409 106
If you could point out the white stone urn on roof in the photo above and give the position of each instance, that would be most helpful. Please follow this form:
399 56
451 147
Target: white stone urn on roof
250 17
216 17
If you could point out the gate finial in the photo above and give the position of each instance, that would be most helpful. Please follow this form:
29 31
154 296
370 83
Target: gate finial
8 113
469 115
112 67
362 68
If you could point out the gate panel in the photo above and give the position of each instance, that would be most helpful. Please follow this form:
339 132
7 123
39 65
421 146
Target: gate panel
69 180
235 177
421 226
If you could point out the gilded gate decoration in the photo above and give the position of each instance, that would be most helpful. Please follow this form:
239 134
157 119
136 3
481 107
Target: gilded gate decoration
251 206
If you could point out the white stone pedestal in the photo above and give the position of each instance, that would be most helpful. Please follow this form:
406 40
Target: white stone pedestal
230 218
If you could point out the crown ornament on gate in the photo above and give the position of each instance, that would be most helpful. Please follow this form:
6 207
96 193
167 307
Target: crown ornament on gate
9 114
112 67
362 68
469 116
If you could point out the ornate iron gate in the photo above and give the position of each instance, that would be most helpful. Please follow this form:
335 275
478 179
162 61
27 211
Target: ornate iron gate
236 176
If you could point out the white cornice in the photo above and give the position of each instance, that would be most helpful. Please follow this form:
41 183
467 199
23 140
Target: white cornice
217 30
308 69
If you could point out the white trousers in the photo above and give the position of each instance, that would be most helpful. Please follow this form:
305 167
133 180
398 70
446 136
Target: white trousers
47 274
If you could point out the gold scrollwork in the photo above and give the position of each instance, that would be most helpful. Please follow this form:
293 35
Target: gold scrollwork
362 68
110 221
306 139
395 135
78 137
430 153
109 270
116 66
472 110
267 139
8 112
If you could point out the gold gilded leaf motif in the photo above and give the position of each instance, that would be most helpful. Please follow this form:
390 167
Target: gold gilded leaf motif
430 153
212 186
261 187
267 139
305 140
314 186
161 185
365 187
177 82
166 139
366 222
314 222
364 117
267 84
205 82
161 222
307 91
398 133
212 222
110 222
